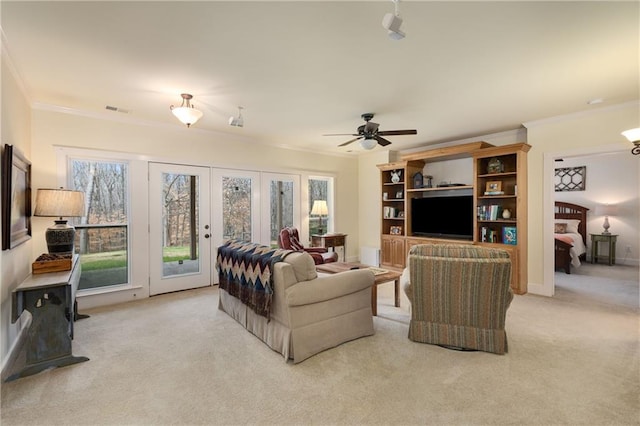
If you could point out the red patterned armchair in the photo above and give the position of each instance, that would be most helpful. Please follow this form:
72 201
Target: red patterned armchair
289 240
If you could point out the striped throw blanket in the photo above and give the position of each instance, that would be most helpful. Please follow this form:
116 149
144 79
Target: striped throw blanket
244 270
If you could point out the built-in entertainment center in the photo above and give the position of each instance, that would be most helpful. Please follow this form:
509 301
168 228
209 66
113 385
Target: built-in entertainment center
472 193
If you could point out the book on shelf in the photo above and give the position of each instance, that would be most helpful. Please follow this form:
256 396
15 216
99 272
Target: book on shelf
493 192
509 235
489 212
389 212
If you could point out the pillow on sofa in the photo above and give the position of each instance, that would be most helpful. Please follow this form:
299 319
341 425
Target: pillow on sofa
303 266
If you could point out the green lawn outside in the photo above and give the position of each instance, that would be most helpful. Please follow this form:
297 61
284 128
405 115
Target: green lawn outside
118 259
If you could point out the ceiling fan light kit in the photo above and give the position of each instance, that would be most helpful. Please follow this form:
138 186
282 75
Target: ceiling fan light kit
368 143
392 22
186 113
369 135
237 121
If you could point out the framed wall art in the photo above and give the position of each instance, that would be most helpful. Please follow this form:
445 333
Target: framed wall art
16 198
570 178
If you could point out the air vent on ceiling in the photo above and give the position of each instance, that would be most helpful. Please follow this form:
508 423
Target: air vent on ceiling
113 108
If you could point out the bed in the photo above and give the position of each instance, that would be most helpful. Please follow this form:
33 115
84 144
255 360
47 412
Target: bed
570 235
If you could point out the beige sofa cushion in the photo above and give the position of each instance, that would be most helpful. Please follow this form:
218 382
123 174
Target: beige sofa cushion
303 266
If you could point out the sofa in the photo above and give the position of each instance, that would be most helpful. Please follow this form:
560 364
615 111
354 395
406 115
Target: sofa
307 313
459 296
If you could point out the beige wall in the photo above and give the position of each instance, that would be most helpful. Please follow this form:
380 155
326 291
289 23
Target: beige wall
14 264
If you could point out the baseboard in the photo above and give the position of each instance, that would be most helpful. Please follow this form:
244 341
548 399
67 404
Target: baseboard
539 289
16 346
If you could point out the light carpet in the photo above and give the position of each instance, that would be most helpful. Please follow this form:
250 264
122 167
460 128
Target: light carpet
175 359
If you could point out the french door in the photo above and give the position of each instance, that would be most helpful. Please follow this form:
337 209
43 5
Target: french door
179 227
280 206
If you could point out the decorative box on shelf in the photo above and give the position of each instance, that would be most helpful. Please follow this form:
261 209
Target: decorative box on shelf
51 262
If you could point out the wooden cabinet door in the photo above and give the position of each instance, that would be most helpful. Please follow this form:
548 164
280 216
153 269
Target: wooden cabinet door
398 253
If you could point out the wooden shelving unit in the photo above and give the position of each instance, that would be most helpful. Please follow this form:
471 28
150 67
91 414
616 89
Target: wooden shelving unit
509 233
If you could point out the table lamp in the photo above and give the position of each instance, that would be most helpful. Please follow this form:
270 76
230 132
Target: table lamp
320 208
606 210
60 203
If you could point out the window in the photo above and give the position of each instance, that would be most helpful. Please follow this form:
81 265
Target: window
102 235
236 208
319 190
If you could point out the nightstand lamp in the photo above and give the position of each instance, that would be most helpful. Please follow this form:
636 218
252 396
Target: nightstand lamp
60 203
606 210
320 209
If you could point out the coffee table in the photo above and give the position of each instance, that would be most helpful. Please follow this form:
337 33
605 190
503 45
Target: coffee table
387 276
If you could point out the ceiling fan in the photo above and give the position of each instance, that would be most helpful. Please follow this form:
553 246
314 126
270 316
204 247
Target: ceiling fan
370 134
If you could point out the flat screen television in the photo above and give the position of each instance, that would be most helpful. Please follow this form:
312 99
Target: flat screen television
443 216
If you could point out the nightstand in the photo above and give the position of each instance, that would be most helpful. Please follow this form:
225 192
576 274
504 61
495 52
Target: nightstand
610 241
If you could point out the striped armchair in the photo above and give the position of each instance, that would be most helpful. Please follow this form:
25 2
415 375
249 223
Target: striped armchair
459 296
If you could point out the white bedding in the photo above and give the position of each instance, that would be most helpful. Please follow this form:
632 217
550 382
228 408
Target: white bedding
577 249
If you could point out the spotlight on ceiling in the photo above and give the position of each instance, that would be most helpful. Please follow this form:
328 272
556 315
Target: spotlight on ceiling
392 22
237 121
186 113
633 135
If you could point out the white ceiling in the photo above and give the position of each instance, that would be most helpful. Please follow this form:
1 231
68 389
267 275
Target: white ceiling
303 69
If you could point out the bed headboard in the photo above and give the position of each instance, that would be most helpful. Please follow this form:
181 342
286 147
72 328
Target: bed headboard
573 211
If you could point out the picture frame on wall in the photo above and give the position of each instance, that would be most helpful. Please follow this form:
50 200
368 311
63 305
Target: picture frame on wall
16 198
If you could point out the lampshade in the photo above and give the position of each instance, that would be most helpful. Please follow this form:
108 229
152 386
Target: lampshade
632 134
320 208
186 113
59 203
606 210
368 143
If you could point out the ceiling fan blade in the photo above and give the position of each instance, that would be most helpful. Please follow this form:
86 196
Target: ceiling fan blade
352 140
398 132
382 141
340 134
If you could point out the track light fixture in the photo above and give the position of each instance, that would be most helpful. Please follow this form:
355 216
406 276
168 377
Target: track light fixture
391 22
186 113
237 121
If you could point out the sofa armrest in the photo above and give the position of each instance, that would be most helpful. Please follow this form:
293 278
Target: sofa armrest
329 287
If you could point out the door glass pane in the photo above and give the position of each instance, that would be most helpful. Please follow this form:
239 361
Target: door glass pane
180 224
236 208
318 217
101 237
281 210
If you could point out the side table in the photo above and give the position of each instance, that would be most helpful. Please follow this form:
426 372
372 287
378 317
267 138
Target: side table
610 241
331 241
51 300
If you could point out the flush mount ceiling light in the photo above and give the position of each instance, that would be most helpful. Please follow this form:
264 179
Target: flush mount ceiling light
237 121
392 21
633 135
186 113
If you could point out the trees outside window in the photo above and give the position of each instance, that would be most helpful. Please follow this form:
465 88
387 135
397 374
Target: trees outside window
102 233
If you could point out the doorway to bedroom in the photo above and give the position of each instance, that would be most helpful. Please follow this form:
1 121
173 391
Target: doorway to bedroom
609 179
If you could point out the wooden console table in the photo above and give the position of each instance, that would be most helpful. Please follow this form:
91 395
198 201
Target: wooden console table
51 300
331 241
